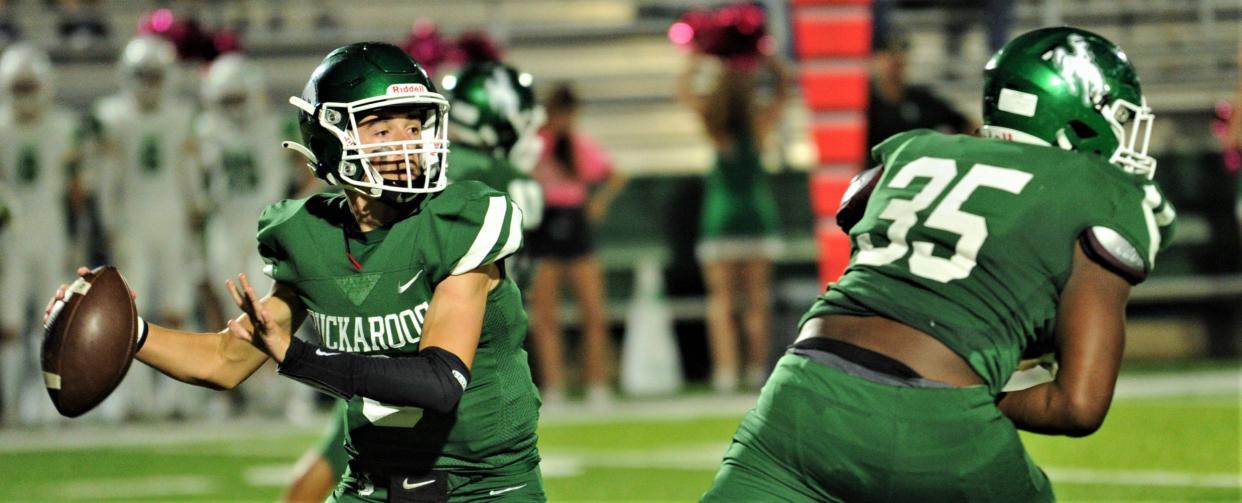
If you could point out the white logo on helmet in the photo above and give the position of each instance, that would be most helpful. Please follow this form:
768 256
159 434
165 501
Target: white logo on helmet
501 91
406 89
1078 68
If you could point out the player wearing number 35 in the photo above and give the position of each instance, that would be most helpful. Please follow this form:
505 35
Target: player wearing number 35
970 255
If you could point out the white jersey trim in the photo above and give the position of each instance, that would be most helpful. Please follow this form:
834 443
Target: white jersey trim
487 238
515 233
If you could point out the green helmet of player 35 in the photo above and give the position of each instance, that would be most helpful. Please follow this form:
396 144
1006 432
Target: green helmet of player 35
494 109
351 82
1073 89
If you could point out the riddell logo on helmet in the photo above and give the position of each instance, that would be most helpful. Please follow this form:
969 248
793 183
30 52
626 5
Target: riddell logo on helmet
406 88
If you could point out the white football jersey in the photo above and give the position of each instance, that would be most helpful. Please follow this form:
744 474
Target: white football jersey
245 165
150 167
34 169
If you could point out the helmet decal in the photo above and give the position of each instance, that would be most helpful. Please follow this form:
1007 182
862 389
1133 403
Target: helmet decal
406 89
500 90
1018 102
1079 70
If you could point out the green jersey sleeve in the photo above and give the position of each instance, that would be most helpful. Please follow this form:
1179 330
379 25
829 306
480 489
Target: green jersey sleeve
272 239
472 225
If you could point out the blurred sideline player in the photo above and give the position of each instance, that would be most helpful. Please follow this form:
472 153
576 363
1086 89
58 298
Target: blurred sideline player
970 254
38 141
146 133
238 140
404 276
494 130
495 133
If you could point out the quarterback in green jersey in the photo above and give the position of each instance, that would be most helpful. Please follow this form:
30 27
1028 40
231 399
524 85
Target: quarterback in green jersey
403 275
494 131
969 255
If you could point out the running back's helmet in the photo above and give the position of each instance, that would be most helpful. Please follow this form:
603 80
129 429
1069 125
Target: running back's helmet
1070 88
234 87
25 78
494 108
351 82
146 66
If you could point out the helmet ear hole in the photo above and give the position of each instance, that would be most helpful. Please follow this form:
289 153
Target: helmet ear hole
1083 131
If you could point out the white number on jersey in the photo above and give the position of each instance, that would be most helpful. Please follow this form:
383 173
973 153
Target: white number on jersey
946 216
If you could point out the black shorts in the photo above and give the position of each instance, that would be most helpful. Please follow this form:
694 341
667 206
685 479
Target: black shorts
564 234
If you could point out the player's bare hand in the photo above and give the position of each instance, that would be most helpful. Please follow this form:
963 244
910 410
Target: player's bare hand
61 292
273 339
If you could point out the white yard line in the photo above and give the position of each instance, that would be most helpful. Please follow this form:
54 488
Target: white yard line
133 487
570 463
1161 478
94 436
270 475
657 409
1203 383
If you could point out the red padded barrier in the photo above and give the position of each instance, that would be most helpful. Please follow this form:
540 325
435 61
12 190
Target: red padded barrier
834 251
827 187
831 90
832 36
841 142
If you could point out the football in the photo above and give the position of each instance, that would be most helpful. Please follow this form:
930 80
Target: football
89 341
854 201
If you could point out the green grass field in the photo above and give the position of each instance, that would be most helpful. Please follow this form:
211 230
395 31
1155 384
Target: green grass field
1171 436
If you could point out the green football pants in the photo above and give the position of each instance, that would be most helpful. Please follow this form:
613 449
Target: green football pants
819 434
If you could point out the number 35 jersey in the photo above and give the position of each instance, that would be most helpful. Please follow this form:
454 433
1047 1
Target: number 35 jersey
971 240
380 310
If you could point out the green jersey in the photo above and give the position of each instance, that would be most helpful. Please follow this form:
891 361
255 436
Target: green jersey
379 308
971 240
468 163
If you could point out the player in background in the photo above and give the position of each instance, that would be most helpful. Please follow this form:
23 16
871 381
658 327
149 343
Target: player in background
494 130
404 276
970 254
145 136
238 138
39 141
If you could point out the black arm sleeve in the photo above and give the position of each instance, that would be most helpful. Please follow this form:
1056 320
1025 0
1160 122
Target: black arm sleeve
434 379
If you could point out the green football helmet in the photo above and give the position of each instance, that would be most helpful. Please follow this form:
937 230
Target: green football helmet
1070 88
494 109
352 82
